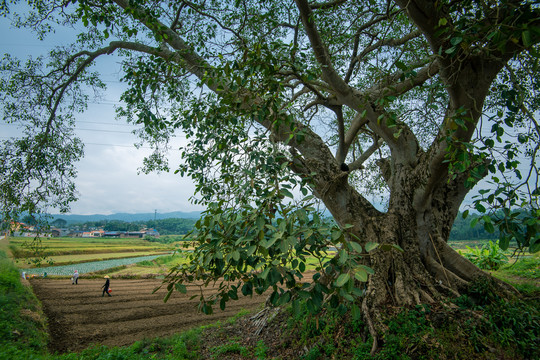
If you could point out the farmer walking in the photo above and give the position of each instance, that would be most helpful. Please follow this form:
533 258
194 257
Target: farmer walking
75 278
106 286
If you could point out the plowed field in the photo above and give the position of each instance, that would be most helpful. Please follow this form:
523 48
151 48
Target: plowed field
78 316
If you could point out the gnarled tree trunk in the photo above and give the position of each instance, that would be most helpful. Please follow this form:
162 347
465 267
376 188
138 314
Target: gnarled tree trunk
428 270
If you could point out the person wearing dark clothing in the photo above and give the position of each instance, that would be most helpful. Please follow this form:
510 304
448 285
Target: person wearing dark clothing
106 286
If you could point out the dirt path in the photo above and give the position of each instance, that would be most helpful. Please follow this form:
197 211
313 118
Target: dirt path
78 316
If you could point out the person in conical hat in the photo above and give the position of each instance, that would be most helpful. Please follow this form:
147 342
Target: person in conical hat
106 286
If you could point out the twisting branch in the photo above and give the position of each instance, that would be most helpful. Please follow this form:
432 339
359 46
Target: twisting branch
340 154
329 74
195 8
358 122
357 164
60 90
387 42
327 5
398 88
174 24
361 29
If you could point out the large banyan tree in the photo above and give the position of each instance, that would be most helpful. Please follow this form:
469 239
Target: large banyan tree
288 105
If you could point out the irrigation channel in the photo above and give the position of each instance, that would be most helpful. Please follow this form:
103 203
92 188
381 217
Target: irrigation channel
87 267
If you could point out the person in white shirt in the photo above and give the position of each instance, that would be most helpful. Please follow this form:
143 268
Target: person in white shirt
75 278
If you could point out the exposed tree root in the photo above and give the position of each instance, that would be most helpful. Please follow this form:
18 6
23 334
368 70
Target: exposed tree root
263 317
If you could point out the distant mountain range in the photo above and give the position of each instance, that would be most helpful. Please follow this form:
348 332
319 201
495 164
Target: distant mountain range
128 217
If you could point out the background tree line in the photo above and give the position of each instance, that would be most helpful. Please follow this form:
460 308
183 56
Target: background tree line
462 229
173 226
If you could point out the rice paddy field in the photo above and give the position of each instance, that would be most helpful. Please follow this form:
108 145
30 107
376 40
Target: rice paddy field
66 251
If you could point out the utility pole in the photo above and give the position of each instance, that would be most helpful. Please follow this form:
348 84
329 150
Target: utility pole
155 215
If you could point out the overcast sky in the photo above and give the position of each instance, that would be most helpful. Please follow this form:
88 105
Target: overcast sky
108 180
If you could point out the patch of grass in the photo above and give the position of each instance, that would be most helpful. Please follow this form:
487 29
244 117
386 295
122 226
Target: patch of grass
22 328
261 350
231 347
523 274
526 267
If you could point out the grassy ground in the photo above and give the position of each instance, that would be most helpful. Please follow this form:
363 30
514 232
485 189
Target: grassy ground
22 327
524 274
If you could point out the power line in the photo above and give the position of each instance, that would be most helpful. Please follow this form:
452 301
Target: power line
103 123
108 145
103 130
117 145
106 131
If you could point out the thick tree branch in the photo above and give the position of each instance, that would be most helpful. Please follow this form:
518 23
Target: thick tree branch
387 42
357 164
59 91
329 74
340 154
342 90
357 123
390 88
327 5
426 15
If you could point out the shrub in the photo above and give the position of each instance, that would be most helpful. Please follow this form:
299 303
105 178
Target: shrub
488 257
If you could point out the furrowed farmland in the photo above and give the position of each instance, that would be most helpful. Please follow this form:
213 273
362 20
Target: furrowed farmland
79 316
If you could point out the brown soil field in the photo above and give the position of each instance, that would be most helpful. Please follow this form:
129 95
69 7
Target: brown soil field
78 316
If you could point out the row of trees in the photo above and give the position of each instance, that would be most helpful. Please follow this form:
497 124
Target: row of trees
172 226
461 230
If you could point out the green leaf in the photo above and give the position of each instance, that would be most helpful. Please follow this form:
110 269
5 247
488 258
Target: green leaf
488 226
398 248
356 246
222 304
336 234
343 256
526 38
181 288
480 207
167 296
265 273
370 246
534 247
251 250
342 279
355 312
386 247
456 40
361 275
207 309
401 66
367 269
287 193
